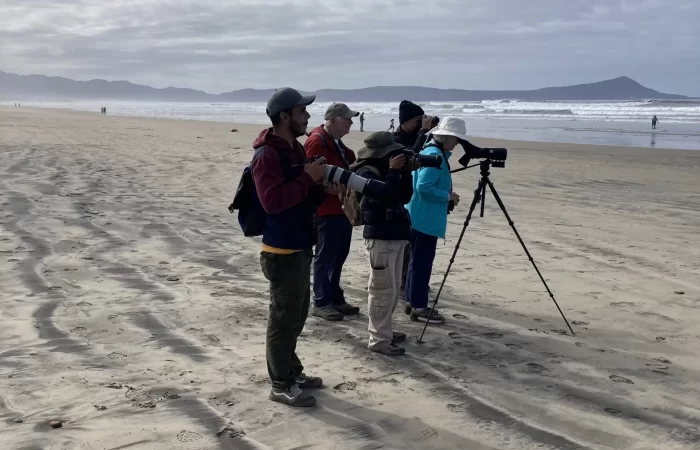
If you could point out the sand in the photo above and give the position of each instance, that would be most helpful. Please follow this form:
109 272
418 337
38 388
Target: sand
134 311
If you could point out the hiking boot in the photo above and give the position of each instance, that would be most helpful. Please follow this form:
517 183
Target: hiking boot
347 309
292 396
327 312
391 350
398 337
306 382
435 317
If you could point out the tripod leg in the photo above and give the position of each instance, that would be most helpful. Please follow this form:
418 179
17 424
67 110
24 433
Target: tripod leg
477 195
483 200
512 225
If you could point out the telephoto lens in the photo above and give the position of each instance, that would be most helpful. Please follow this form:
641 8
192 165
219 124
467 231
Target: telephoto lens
371 188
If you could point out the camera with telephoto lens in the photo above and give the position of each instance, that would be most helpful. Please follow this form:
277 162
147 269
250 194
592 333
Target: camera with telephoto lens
496 156
434 161
334 174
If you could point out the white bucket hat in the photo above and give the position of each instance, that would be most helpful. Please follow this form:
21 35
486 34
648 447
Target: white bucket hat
451 126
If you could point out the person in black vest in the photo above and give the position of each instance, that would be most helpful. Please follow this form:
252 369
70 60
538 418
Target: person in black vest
387 229
289 192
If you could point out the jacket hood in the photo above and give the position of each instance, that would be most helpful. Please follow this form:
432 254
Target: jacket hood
267 137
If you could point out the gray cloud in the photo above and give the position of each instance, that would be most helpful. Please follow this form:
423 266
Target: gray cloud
477 44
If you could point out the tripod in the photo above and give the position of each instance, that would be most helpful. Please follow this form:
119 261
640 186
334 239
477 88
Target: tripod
480 196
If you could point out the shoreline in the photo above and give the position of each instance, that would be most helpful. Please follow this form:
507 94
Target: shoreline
355 134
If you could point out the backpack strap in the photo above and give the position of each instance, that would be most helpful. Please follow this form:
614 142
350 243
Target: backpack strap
340 151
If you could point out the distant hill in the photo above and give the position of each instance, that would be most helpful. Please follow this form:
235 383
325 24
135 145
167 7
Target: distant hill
37 87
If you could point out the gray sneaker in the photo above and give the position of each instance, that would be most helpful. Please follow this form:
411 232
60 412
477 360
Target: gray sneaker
328 313
292 396
422 314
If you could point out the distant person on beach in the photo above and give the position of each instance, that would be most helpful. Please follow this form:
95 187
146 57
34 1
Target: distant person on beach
289 190
334 230
362 122
391 125
654 120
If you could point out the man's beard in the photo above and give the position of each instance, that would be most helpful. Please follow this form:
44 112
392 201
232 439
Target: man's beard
297 128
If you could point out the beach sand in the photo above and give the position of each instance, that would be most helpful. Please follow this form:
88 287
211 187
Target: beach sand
134 311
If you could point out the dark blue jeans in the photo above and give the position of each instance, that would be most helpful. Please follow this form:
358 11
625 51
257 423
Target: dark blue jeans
332 249
420 267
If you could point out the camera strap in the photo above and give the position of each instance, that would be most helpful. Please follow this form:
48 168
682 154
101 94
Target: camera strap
340 151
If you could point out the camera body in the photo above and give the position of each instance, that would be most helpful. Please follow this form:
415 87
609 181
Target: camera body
434 161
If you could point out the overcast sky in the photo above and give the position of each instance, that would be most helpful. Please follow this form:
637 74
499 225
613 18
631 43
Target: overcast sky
221 45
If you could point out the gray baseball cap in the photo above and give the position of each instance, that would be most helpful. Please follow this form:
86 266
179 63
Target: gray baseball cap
287 98
340 110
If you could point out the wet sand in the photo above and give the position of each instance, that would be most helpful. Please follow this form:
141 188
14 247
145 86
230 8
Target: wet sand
134 310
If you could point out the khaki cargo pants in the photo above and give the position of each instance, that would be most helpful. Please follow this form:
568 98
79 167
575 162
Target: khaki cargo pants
386 262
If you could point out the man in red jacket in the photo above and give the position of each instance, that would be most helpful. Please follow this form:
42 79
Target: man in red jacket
334 228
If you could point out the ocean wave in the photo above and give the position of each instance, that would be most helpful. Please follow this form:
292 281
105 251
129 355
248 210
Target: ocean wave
541 112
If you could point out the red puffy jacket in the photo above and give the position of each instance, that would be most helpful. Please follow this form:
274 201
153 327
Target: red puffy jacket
317 145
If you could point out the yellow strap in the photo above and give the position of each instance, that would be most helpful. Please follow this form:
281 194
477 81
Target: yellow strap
278 251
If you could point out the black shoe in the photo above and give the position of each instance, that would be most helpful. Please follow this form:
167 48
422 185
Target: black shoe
327 312
347 309
407 308
391 350
307 382
292 396
398 337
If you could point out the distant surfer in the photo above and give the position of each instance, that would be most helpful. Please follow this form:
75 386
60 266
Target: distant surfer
653 122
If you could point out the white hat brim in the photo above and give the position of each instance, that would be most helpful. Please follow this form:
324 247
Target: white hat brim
438 132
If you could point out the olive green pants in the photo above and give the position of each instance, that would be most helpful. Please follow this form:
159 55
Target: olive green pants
290 294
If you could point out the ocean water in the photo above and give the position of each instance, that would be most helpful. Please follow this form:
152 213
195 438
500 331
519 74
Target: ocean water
625 123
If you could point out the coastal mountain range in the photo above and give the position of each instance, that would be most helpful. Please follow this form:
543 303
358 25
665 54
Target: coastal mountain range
41 87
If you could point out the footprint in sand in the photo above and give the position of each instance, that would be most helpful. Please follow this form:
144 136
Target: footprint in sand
613 411
78 330
617 304
579 322
619 379
84 304
534 367
459 316
345 386
188 436
662 360
362 370
459 409
493 335
116 355
454 335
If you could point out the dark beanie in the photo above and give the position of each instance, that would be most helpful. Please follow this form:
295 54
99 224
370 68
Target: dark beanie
409 110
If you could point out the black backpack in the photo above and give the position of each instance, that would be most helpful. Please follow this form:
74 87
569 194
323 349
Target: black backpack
251 215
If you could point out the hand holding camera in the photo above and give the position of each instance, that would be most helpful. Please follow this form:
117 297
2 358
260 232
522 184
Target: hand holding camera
398 162
429 122
316 168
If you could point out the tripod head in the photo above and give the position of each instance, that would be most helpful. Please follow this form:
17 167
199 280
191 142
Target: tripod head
484 166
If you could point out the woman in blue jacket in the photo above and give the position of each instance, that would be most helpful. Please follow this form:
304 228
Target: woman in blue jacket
432 196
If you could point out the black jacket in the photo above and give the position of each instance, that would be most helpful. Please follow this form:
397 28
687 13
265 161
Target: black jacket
385 217
414 141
